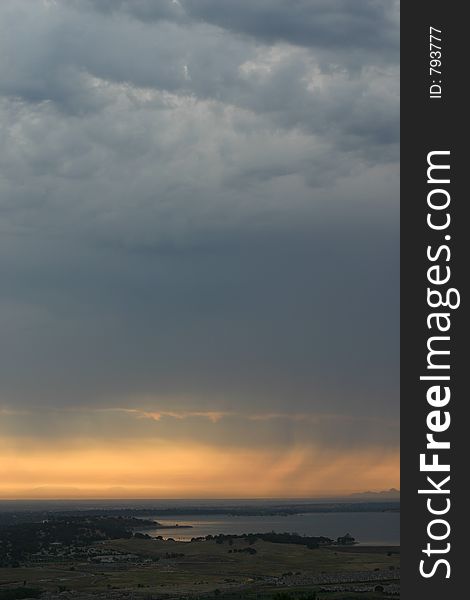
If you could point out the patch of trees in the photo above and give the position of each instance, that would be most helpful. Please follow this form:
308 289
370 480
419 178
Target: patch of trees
19 593
142 536
267 509
275 538
18 542
287 596
248 550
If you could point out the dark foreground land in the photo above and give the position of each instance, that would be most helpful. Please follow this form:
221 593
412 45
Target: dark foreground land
102 558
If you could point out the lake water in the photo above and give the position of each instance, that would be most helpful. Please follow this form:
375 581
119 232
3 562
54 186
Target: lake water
369 528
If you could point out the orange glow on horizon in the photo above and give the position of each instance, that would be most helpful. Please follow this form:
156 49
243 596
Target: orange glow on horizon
155 470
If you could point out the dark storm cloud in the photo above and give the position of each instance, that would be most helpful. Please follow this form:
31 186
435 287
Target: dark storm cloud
142 9
332 24
53 56
198 219
265 430
265 322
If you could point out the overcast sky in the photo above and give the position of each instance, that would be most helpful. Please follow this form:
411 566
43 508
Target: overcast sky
199 243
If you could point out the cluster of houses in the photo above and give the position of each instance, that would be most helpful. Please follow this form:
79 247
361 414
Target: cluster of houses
58 552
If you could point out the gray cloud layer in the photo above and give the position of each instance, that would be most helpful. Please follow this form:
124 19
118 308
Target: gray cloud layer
199 205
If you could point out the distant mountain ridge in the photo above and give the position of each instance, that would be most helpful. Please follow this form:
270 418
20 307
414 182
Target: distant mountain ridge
391 494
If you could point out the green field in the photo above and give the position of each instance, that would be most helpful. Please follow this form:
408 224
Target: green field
206 566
